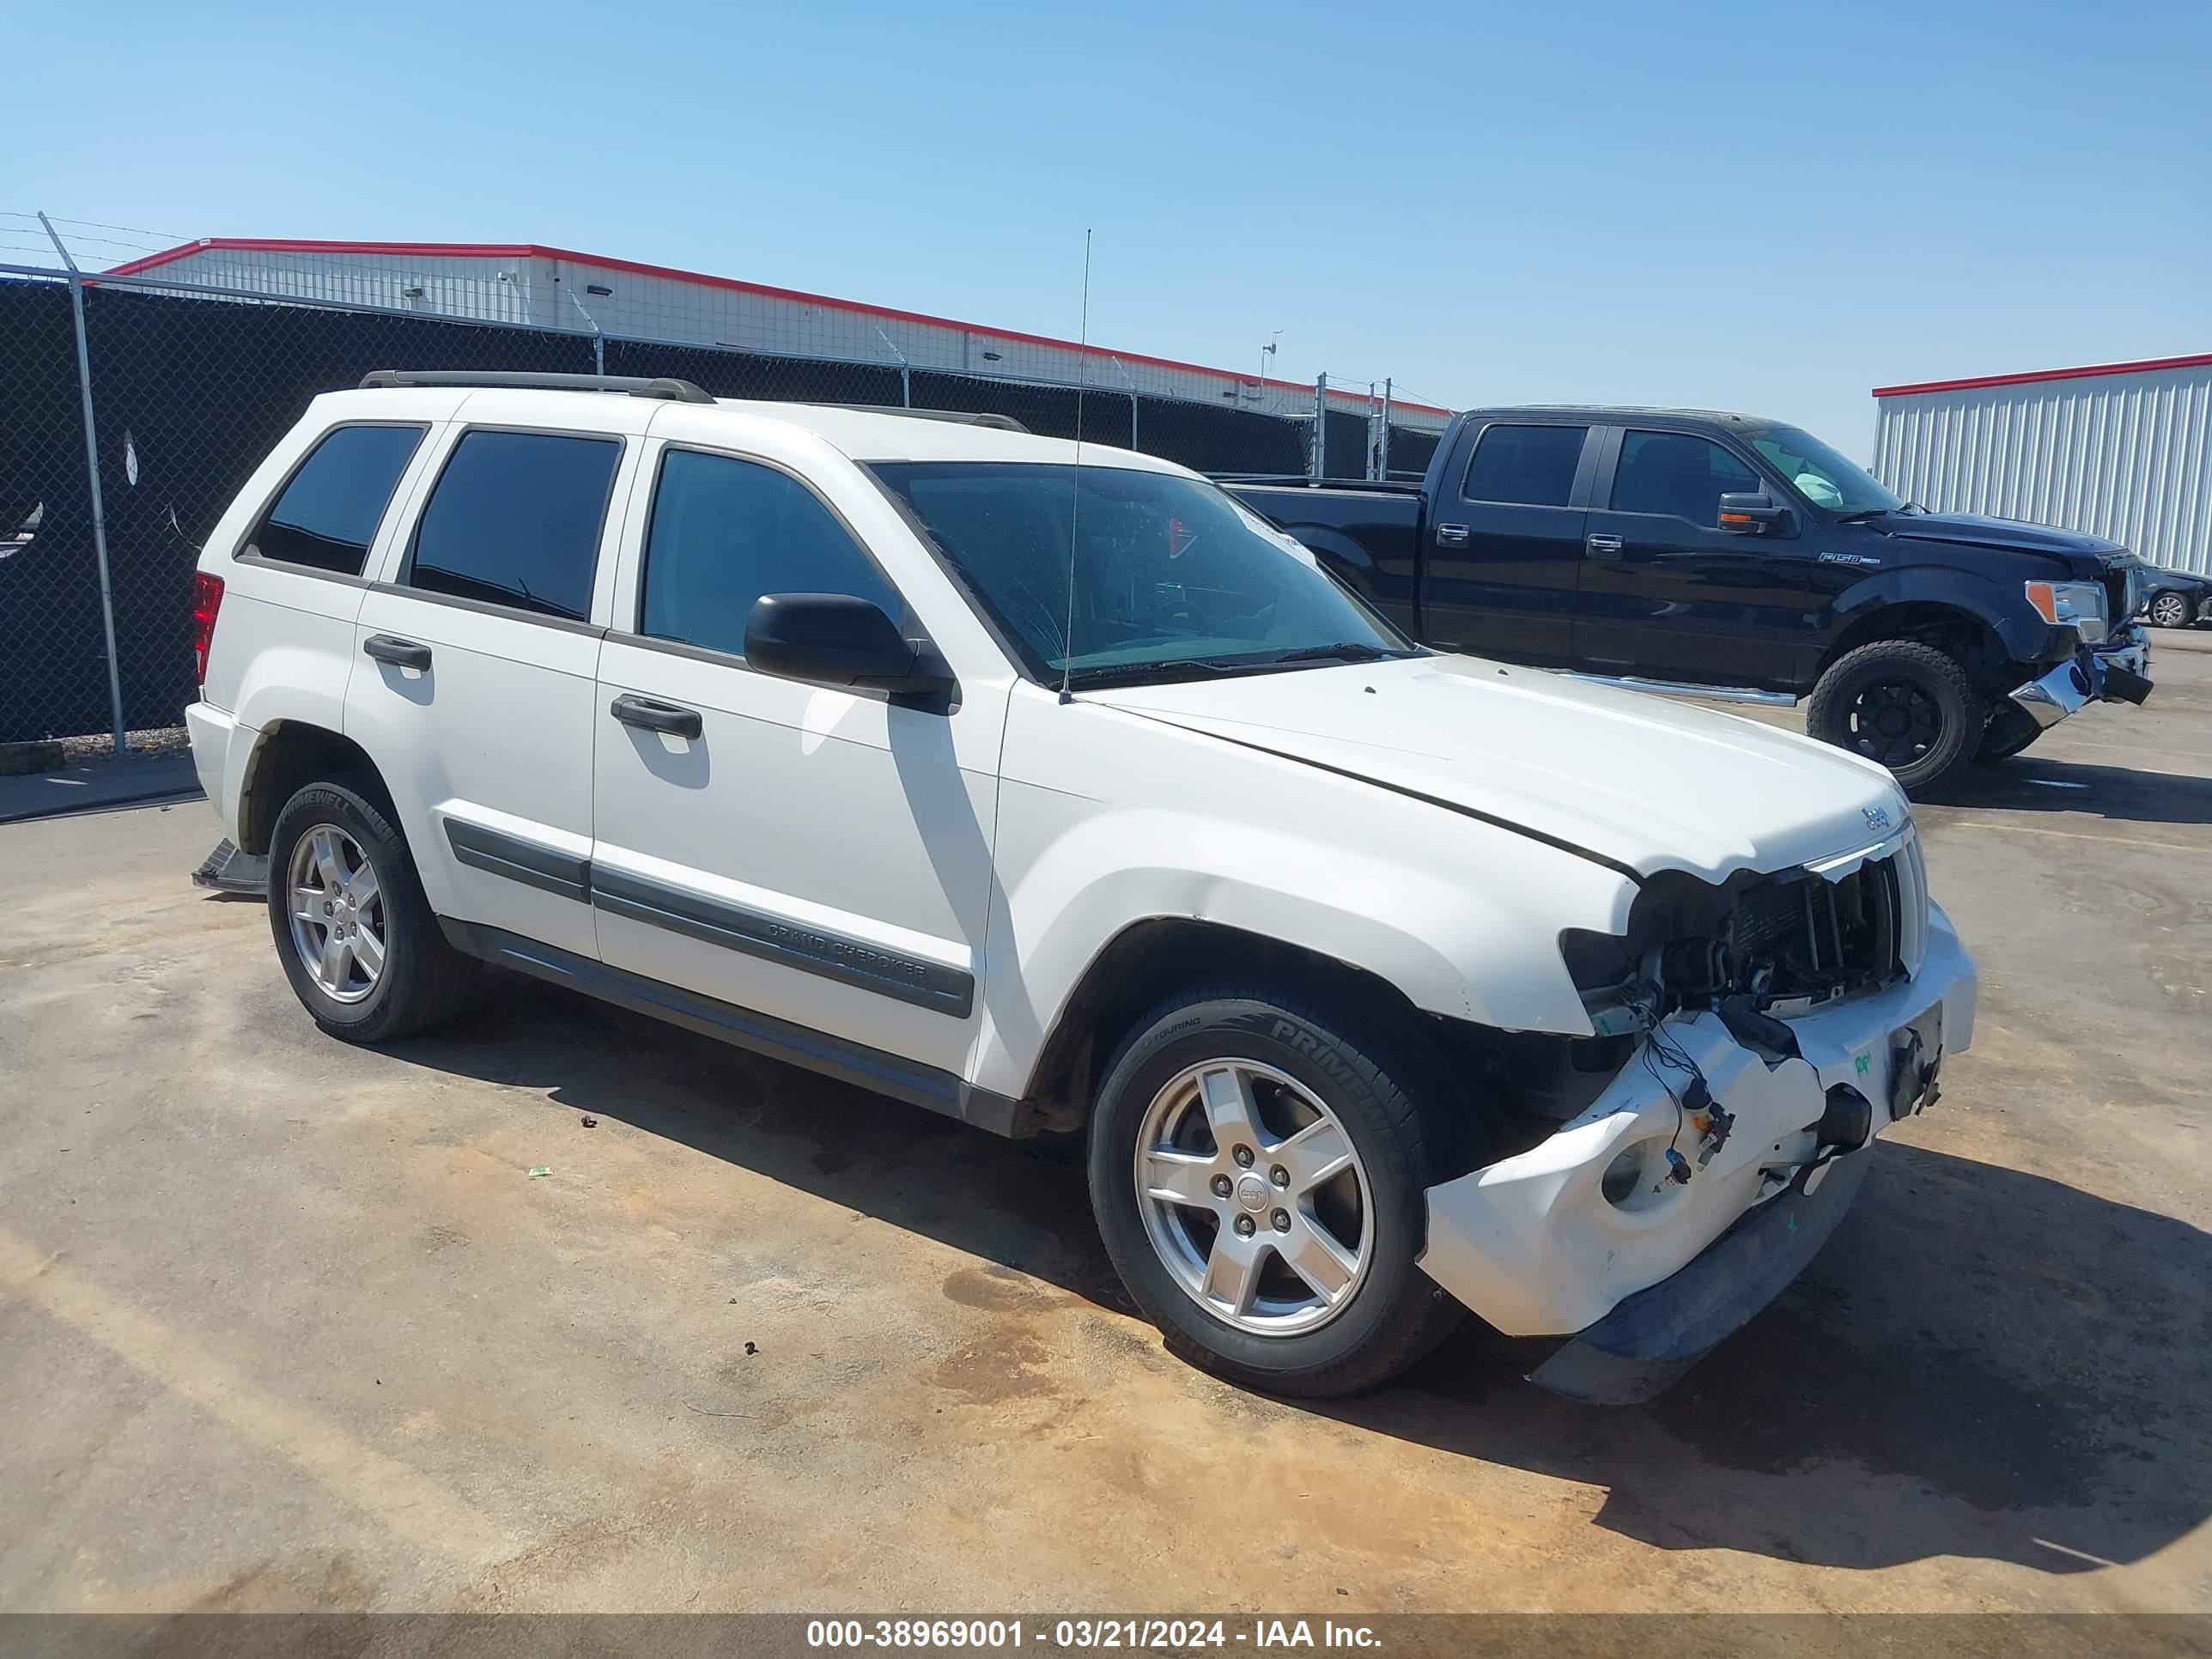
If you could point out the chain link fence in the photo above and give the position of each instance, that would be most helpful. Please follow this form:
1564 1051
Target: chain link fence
189 390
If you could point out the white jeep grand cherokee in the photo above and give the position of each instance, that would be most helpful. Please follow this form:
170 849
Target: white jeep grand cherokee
1058 793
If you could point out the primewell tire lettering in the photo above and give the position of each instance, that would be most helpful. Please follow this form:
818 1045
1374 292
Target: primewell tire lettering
1314 1049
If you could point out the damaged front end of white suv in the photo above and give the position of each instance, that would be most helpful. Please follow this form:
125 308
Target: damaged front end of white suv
1669 1174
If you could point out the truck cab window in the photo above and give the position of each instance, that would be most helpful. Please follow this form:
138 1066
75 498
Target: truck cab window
1525 466
515 520
1678 475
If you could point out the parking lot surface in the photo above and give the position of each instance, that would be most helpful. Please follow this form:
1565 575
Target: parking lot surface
285 1324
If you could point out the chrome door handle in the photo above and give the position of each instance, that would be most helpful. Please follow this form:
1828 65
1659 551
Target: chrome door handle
1604 547
1451 535
653 716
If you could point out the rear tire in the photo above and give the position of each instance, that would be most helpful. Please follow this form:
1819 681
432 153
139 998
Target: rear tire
1906 705
2010 730
1264 1269
357 938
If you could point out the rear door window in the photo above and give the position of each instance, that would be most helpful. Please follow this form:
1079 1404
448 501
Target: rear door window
1678 474
1525 466
327 514
515 520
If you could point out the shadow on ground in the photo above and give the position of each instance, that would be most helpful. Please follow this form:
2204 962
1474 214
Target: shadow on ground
2118 793
1982 1363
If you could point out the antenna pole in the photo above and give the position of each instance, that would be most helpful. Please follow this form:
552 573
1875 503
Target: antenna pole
1075 495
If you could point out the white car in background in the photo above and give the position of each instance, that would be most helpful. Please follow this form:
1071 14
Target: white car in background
1059 793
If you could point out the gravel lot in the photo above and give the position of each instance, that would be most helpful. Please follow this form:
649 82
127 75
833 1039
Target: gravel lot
285 1324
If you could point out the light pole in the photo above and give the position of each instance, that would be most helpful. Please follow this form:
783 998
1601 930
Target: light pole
1266 352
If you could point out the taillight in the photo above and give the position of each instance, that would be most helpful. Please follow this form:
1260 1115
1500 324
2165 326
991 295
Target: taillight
207 599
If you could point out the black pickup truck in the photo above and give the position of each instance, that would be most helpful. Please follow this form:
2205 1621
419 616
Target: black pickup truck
1684 551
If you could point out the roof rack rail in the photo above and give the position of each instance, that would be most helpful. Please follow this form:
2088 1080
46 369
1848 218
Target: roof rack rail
680 391
958 416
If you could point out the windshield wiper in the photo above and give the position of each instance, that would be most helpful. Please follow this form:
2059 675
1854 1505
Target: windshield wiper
1866 513
1347 651
1176 668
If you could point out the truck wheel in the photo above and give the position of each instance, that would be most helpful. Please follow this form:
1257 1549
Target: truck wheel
2010 730
2169 611
1259 1172
1906 705
353 931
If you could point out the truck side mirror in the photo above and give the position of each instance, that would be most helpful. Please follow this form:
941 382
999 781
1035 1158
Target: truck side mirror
1751 515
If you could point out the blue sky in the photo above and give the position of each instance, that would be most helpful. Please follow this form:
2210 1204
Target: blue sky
1770 208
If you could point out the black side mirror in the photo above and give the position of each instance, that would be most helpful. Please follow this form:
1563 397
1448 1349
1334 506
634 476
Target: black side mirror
834 639
1752 514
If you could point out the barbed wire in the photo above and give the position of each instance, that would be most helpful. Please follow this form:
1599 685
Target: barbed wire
81 233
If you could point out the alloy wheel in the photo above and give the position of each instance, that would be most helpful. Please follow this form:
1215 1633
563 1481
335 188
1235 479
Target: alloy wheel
2169 611
337 913
1254 1197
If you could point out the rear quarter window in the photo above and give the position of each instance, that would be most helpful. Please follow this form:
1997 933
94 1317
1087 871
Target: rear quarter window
326 516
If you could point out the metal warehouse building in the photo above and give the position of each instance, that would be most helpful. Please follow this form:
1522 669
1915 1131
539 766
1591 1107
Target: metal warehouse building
2123 449
524 283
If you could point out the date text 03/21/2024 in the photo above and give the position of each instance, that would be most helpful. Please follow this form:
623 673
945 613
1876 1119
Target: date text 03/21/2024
1139 1634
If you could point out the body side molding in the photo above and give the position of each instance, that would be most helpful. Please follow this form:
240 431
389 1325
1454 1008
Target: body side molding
531 863
765 1033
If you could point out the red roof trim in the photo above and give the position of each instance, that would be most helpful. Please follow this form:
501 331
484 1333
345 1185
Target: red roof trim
2144 366
533 250
263 245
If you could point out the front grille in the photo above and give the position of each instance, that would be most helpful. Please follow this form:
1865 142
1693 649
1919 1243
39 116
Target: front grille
1802 939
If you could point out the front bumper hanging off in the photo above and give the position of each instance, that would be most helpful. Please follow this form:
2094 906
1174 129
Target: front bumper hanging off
1647 1283
2118 669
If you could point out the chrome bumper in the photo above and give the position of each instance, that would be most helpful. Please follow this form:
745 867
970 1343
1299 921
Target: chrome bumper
2118 669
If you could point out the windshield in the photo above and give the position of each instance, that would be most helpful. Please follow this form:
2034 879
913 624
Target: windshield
1173 579
1822 477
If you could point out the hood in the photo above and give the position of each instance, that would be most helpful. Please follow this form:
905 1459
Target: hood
1633 780
1980 530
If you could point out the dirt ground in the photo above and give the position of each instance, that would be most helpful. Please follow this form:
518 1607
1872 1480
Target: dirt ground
285 1324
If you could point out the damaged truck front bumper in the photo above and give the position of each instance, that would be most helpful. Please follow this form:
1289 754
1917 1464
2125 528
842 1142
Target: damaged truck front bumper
1649 1230
2118 670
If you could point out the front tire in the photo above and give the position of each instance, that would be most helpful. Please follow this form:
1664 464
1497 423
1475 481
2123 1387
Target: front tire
356 937
1260 1169
1907 705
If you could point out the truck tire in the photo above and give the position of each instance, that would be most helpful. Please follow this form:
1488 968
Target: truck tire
1907 705
2010 730
357 938
1259 1168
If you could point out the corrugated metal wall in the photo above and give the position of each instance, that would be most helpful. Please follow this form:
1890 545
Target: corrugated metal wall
2127 456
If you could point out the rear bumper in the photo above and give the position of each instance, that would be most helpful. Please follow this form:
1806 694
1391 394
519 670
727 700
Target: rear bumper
1532 1245
2118 670
215 757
